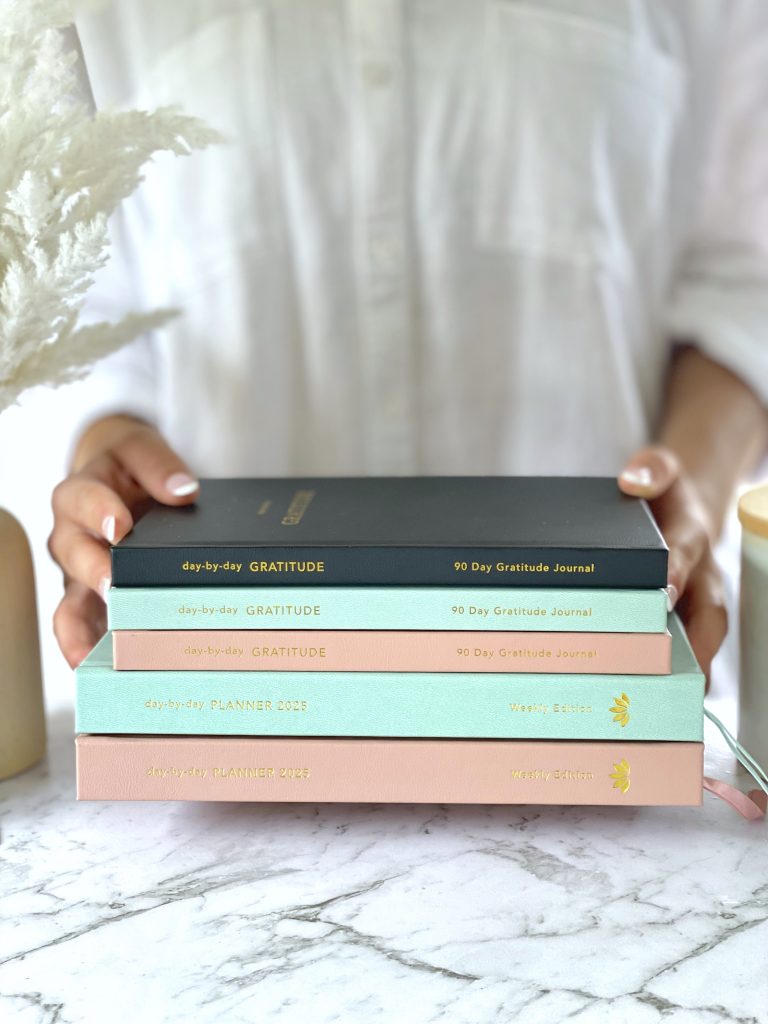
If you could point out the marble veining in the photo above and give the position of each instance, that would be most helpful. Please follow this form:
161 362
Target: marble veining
313 914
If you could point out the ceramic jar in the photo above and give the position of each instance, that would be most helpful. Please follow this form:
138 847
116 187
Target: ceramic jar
22 716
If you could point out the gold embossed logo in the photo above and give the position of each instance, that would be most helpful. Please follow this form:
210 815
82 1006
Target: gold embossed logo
620 709
300 502
620 775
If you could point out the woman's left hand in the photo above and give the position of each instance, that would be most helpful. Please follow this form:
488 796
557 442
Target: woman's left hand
695 583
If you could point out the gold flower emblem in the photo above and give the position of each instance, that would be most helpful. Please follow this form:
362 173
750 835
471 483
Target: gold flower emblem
620 775
620 709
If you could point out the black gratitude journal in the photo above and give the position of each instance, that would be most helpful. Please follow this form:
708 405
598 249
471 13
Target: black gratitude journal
494 531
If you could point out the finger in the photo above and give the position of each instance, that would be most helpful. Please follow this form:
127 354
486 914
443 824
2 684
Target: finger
685 533
92 505
684 555
82 557
156 467
649 472
79 622
704 613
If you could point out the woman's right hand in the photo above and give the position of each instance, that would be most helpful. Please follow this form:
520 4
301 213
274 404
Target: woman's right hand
119 462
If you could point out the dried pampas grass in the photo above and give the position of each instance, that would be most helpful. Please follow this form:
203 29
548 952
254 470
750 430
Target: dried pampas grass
63 171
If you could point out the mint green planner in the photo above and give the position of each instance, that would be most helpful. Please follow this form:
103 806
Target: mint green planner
421 704
509 608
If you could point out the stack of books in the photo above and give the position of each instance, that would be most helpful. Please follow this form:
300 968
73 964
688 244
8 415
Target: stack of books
428 639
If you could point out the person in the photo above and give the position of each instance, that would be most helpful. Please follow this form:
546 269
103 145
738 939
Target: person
442 238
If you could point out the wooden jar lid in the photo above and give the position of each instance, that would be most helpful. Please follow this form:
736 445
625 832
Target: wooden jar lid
753 510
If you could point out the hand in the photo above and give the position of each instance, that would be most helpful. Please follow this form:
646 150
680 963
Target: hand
120 461
694 581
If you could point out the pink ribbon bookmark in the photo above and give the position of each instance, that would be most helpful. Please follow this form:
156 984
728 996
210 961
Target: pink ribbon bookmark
752 805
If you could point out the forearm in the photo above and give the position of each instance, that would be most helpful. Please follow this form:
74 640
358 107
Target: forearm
715 425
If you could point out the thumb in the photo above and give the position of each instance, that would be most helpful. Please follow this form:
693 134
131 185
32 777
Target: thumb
156 467
650 472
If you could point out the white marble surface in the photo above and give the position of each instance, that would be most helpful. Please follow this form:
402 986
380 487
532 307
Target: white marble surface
232 912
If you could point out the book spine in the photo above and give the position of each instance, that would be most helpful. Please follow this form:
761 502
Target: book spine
406 566
391 651
420 608
391 704
384 771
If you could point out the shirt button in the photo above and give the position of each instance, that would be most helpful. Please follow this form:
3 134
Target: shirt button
377 74
385 251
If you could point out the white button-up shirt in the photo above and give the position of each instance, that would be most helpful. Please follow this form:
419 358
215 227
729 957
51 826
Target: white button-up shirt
445 236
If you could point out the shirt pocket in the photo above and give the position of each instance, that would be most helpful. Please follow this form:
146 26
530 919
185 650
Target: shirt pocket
576 139
206 209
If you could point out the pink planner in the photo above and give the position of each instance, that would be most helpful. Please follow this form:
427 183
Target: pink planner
450 771
285 650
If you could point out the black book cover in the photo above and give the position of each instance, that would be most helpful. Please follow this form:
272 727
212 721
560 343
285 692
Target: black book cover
442 531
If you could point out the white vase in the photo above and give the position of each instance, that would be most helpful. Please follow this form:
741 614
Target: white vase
22 714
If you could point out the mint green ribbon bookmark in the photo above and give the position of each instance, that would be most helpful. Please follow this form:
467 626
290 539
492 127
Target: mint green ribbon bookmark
750 805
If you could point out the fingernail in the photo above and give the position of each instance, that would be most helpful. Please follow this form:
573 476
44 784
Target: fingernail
641 476
104 586
181 484
672 596
108 527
